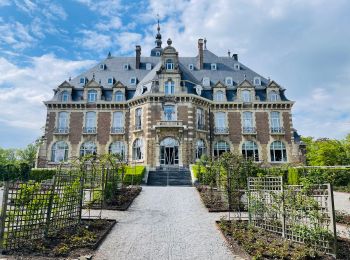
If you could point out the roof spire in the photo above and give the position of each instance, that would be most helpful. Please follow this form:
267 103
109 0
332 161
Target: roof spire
159 36
205 43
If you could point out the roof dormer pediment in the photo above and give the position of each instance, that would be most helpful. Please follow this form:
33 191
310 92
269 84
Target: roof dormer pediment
118 84
219 84
92 84
273 84
65 84
245 84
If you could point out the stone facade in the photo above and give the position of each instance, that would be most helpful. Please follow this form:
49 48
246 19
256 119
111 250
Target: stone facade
170 112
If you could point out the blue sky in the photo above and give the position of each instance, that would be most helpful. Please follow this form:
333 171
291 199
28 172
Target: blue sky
303 45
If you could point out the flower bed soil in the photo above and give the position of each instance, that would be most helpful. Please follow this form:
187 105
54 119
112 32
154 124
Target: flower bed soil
342 217
123 198
67 243
250 242
216 201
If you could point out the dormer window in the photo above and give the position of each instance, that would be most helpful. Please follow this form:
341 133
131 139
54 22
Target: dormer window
219 96
133 81
190 66
246 96
157 53
169 87
92 96
110 81
213 66
148 66
169 65
103 66
82 81
228 81
64 96
119 96
273 96
206 82
126 66
236 66
257 81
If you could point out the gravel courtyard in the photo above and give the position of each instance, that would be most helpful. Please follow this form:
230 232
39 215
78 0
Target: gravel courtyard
165 223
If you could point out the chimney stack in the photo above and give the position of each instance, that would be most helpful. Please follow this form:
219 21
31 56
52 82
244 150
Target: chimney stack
200 54
235 56
229 53
138 56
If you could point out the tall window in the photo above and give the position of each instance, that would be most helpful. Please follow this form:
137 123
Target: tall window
248 124
246 96
90 122
278 152
169 113
275 121
169 88
137 149
221 147
169 65
220 122
219 96
59 152
118 122
88 147
138 118
273 96
200 119
250 151
117 148
119 96
64 96
62 123
92 96
200 148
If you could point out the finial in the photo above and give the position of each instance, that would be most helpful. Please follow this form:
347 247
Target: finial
229 53
93 76
70 78
245 76
205 43
158 28
169 42
109 55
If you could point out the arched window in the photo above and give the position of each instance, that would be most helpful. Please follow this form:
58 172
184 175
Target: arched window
273 96
92 96
137 150
200 148
246 96
169 65
221 147
90 122
250 151
169 87
219 96
59 152
278 152
64 96
119 96
117 148
62 124
88 148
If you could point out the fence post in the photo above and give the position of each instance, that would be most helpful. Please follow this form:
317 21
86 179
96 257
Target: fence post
3 213
82 175
283 211
332 217
248 201
49 207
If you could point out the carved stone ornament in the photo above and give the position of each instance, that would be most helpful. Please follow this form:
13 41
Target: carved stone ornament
199 89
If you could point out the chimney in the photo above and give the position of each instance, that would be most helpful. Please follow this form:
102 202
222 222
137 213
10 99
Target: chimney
235 56
200 54
138 56
229 53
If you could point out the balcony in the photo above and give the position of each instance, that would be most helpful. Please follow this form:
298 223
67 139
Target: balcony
174 123
277 130
89 130
249 130
138 127
221 130
61 130
117 130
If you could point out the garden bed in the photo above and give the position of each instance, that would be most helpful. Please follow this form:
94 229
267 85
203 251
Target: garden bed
342 217
261 244
216 201
68 243
123 198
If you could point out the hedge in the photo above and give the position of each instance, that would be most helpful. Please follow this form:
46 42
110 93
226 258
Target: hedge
134 175
40 174
10 172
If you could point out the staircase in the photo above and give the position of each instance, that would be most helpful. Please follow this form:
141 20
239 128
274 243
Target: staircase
169 177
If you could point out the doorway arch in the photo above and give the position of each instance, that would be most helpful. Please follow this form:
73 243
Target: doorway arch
169 151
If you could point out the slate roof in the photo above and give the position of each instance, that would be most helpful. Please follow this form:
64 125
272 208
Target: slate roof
114 67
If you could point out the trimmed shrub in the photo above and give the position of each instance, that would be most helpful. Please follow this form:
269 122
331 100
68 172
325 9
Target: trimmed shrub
293 176
40 174
134 175
11 172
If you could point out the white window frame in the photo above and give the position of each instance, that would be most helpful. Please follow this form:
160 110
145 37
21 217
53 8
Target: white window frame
169 64
219 96
252 147
59 152
118 119
275 119
206 81
133 81
88 147
119 96
90 119
169 113
64 96
229 81
278 146
92 95
138 118
257 81
126 66
63 120
200 122
117 147
148 66
157 53
248 119
137 149
273 96
221 146
102 66
191 66
200 148
82 81
236 66
220 120
169 87
110 81
246 96
213 66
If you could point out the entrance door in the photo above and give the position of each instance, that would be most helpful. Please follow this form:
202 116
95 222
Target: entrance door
169 152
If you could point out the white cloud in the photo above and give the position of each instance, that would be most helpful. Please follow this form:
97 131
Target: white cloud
23 89
16 35
103 7
113 23
5 2
127 41
93 40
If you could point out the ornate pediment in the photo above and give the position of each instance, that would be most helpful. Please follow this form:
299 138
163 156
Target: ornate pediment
273 84
65 84
118 84
92 84
219 84
245 84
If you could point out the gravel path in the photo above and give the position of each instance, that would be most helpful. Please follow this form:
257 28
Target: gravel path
165 223
341 201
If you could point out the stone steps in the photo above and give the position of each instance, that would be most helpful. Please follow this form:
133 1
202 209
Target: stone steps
171 177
